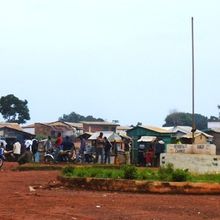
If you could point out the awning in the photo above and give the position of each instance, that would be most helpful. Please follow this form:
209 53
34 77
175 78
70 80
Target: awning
147 139
111 136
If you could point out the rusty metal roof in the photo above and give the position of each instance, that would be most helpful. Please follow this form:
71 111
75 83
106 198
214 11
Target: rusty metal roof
156 129
11 125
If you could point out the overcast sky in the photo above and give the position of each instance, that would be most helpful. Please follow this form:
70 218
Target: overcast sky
126 60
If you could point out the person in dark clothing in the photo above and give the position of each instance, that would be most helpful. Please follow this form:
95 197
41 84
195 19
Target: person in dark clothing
68 149
107 149
34 149
67 144
26 157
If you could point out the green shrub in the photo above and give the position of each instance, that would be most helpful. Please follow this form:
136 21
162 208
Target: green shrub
146 174
129 172
180 175
68 171
165 172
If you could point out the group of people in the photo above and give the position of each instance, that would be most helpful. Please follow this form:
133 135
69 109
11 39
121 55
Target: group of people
103 149
60 147
99 152
20 152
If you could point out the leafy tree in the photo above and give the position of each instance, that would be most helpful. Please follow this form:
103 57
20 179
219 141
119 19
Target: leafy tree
74 117
14 109
185 119
213 118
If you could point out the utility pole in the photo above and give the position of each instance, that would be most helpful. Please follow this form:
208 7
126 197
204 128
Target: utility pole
193 89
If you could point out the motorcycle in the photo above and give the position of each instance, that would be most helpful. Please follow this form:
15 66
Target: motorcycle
90 158
49 156
63 156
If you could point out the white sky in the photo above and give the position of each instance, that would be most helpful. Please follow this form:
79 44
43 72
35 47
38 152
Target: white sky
128 60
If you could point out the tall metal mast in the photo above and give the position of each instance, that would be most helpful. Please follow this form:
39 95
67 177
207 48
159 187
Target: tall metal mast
193 89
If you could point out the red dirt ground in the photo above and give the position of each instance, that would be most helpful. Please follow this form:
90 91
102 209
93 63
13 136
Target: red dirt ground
19 201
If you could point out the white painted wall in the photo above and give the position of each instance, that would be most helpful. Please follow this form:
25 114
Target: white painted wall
213 124
192 148
195 163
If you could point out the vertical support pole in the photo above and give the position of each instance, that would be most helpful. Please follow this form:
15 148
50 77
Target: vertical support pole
193 89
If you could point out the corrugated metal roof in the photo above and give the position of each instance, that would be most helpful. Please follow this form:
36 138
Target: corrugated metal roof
156 129
75 125
123 128
183 129
189 135
11 125
29 126
217 130
99 123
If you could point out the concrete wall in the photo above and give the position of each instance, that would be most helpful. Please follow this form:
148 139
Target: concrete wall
96 128
209 149
213 124
195 163
216 140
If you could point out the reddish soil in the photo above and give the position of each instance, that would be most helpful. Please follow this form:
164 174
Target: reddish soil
37 195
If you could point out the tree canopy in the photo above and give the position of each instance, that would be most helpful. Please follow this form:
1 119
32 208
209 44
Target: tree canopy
74 117
13 109
185 119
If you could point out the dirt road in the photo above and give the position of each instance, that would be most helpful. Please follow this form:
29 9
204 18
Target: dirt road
25 195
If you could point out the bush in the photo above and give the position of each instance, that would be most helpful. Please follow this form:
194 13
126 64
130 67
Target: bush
147 174
129 172
168 173
68 171
165 172
180 175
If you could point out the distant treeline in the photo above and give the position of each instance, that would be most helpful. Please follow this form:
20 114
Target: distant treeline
74 117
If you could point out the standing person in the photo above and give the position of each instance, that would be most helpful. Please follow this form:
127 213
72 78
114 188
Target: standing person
48 144
115 152
149 156
35 152
58 146
127 151
100 148
17 149
82 148
107 149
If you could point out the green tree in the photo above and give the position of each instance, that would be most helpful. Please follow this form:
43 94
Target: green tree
185 119
74 117
13 109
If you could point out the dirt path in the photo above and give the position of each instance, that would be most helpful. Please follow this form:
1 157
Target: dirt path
19 201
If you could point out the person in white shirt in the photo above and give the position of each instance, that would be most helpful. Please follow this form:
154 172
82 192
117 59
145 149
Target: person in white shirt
17 149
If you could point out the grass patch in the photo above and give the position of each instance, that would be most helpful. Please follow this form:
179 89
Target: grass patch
124 172
208 178
165 173
95 172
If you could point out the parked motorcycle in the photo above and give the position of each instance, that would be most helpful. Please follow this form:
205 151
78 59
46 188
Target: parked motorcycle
63 156
90 158
49 156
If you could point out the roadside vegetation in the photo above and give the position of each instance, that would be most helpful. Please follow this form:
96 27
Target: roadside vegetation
166 173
